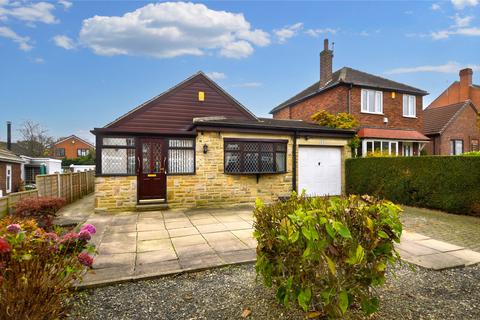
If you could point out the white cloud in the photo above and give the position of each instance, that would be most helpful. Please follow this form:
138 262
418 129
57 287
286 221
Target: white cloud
408 12
216 75
64 42
248 85
461 4
29 12
435 7
449 67
172 29
318 32
66 4
461 21
288 32
39 60
23 42
444 34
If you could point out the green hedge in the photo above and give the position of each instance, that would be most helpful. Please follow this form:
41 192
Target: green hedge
450 183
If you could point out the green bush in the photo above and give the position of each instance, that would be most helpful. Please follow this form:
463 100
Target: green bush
326 254
448 183
472 154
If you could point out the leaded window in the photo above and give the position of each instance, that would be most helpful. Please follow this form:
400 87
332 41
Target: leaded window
118 156
181 156
254 157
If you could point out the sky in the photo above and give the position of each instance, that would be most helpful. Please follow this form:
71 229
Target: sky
76 65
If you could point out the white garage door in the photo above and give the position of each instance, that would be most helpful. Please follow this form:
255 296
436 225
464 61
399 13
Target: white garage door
320 170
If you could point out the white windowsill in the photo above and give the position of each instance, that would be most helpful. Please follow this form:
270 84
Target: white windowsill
411 117
377 113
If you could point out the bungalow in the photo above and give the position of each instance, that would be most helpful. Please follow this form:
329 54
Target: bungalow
195 145
10 172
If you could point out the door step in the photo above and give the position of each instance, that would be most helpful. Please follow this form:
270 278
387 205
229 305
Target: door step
151 207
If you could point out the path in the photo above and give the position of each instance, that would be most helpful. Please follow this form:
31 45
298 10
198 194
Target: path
134 245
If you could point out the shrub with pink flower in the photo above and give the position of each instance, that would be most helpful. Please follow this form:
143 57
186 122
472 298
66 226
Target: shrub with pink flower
45 260
4 246
14 228
89 227
85 259
84 235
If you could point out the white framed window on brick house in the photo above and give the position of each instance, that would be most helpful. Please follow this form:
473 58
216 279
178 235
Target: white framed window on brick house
409 106
372 101
388 147
456 147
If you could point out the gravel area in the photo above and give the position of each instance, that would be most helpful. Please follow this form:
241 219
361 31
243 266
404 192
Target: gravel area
225 293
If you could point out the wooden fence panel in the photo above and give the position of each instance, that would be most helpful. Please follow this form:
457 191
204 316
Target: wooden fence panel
8 202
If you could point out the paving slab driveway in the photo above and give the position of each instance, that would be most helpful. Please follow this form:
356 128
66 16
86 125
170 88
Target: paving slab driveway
135 245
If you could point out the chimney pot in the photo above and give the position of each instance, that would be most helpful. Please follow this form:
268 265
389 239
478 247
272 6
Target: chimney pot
9 135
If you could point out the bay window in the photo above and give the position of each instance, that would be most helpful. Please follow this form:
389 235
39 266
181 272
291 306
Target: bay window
409 106
386 147
372 101
254 157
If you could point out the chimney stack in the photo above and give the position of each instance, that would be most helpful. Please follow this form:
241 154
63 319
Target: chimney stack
465 83
9 135
326 64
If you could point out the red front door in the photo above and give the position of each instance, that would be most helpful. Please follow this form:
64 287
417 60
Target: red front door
152 180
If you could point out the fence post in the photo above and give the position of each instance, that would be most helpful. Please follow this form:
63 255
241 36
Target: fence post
59 191
71 187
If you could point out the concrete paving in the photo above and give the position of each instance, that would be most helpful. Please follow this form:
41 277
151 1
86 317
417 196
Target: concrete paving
139 245
135 245
433 254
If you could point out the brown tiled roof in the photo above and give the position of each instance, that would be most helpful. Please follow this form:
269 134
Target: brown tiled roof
437 119
350 76
267 123
9 156
395 134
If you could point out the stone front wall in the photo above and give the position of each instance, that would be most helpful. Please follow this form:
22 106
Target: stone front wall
209 186
115 193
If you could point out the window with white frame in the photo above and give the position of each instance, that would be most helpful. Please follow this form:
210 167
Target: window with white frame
372 101
456 147
386 147
409 106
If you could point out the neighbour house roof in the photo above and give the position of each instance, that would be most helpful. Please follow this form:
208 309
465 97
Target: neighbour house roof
74 137
17 148
9 156
268 124
173 110
351 76
395 134
437 119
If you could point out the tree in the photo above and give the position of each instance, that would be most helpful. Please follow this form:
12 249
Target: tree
34 139
341 121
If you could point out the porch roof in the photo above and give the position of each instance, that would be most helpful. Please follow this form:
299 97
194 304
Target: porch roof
392 134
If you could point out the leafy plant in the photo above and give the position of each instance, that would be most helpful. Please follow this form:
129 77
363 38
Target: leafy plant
42 209
471 154
326 254
341 121
38 269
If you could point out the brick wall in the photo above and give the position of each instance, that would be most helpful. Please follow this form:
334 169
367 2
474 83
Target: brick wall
463 128
335 100
71 146
209 186
16 176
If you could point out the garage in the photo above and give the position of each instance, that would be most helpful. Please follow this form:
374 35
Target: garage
320 170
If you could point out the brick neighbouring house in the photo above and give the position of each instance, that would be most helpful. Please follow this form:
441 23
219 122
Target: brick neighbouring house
10 172
390 113
451 119
196 146
71 147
